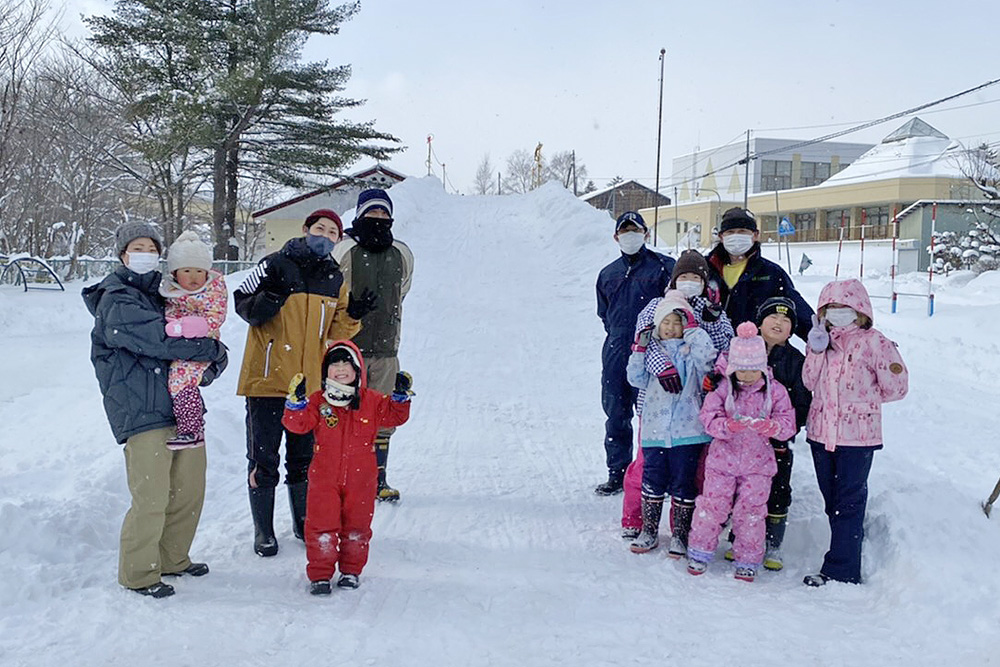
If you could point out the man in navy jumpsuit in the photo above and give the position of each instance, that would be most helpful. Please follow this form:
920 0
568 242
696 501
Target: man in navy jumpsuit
624 287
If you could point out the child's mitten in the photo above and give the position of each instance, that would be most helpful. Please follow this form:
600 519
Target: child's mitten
296 397
403 391
174 329
818 337
767 427
194 326
735 425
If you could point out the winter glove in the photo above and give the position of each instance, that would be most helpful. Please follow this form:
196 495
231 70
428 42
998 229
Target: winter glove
194 326
818 337
296 398
217 365
711 381
687 318
276 280
768 427
173 328
670 380
642 339
402 391
711 312
359 306
734 425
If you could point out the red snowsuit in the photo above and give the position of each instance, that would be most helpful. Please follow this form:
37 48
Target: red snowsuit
342 476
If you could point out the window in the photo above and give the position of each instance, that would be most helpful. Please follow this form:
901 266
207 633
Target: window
835 216
877 215
804 221
814 173
775 175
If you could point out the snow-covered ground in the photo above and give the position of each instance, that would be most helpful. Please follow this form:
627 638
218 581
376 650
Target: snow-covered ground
500 553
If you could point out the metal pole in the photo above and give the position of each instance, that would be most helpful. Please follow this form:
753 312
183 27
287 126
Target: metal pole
777 226
861 269
677 226
930 267
659 135
895 255
840 246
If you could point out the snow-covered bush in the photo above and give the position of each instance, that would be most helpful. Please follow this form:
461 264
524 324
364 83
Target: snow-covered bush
977 249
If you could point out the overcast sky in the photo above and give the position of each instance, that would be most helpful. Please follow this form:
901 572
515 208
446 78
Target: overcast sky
492 77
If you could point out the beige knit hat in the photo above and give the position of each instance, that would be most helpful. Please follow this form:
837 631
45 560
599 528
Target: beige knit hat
189 252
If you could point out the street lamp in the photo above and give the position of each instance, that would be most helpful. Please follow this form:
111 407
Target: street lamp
718 213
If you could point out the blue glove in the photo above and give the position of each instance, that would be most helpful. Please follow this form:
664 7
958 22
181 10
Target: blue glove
818 337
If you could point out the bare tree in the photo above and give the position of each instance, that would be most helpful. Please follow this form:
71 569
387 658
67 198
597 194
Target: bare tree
484 184
520 164
981 165
564 168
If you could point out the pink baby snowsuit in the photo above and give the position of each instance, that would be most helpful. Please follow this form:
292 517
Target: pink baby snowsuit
741 464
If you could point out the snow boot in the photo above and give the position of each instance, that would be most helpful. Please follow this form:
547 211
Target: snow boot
265 544
384 493
192 570
815 580
649 537
613 486
775 536
745 572
681 514
348 581
630 532
157 590
696 567
297 502
321 587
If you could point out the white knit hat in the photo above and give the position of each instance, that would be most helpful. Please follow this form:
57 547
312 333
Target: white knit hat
189 252
672 300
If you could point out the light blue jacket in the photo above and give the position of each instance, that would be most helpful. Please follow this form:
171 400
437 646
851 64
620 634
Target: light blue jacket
671 420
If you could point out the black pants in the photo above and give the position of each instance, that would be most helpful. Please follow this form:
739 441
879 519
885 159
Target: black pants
781 483
264 431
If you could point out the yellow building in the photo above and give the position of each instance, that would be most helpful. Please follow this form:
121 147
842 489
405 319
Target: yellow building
901 177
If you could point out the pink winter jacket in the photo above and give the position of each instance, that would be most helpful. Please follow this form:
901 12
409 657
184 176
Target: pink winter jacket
860 370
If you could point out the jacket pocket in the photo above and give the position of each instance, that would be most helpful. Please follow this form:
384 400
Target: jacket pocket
267 357
861 423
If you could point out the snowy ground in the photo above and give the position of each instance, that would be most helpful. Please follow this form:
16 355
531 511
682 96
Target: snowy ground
499 553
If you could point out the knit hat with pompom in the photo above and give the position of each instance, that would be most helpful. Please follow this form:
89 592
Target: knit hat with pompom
189 252
747 351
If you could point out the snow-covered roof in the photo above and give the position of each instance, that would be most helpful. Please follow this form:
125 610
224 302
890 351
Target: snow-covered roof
915 150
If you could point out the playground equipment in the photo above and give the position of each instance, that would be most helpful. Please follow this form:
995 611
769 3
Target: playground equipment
31 272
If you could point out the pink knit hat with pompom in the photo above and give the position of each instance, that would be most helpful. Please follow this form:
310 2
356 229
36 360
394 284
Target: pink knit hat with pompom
747 351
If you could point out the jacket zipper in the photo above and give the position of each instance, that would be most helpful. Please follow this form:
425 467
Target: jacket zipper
267 358
322 319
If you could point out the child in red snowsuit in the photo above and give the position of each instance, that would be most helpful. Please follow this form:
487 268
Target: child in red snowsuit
344 416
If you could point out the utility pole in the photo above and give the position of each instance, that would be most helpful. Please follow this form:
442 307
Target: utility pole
746 174
575 193
659 134
429 138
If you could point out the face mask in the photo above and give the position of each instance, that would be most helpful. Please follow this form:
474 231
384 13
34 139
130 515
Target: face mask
841 317
336 393
320 245
143 262
737 244
373 234
631 242
690 288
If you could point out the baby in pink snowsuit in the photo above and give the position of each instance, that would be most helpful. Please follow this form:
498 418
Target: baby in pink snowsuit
745 410
196 307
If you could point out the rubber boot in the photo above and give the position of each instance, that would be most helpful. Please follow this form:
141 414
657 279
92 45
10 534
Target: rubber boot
775 536
649 538
265 544
385 493
297 503
681 514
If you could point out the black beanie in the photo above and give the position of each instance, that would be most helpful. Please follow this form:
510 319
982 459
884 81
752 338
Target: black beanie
781 305
738 218
341 353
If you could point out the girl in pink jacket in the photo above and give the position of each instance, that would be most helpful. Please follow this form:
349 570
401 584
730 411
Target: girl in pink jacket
851 369
741 414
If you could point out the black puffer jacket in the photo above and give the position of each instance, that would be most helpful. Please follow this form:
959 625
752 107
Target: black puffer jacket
131 352
786 364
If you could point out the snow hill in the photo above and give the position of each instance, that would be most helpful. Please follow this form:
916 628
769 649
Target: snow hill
500 553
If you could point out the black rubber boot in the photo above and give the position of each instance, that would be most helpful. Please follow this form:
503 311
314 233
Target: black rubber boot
262 510
613 486
649 538
385 493
681 514
297 503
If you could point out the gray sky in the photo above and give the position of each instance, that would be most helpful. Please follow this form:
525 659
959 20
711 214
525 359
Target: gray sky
492 77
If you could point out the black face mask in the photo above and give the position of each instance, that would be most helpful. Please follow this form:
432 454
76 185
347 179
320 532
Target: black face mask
373 234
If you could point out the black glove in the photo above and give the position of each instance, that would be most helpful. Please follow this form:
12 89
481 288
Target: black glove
403 382
276 279
712 312
216 366
711 381
358 307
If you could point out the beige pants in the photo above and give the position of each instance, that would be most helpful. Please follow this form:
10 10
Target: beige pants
168 491
382 378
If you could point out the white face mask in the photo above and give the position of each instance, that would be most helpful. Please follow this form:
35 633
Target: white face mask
631 242
737 244
143 262
841 317
690 288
